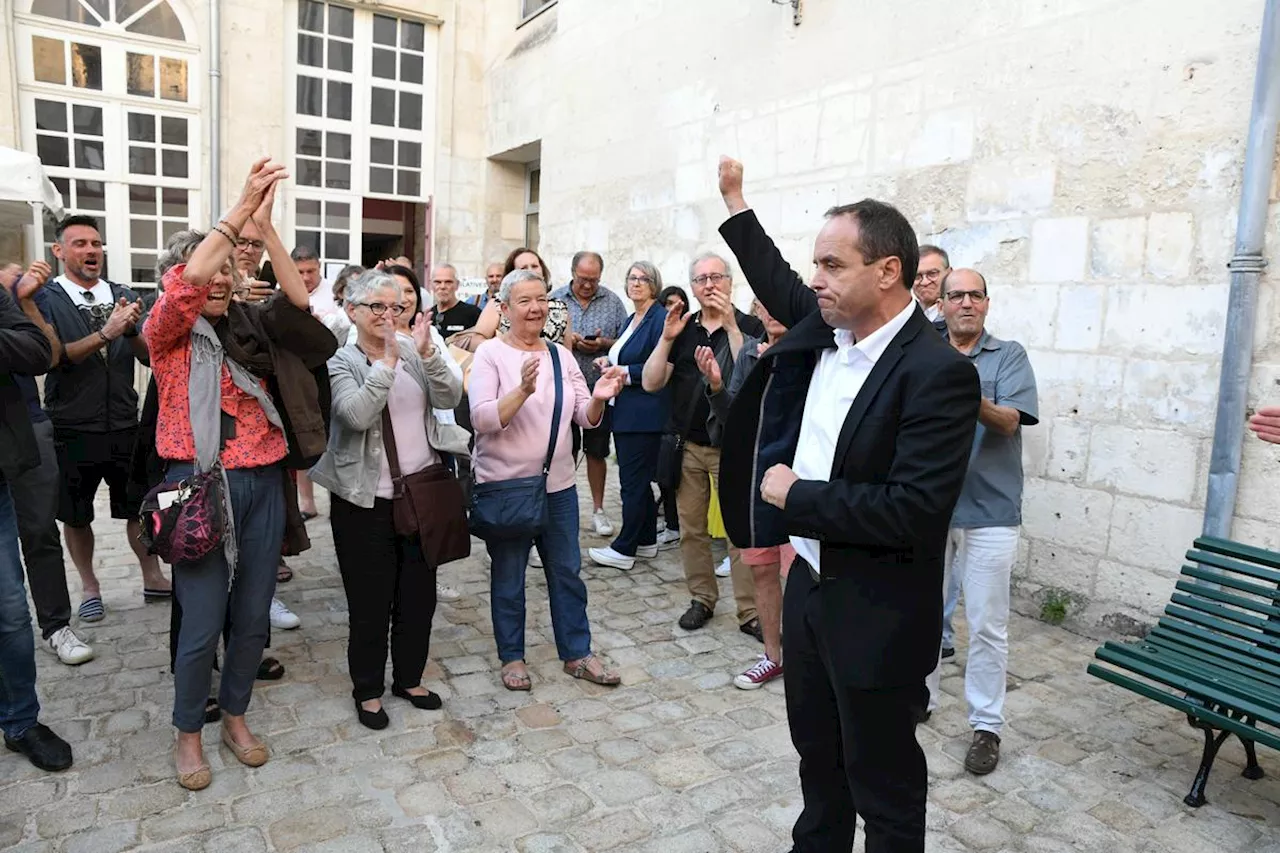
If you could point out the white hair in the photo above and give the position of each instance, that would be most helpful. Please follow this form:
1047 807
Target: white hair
512 279
711 256
360 287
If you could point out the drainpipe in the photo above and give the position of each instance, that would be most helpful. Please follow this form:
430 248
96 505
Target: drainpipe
1246 268
215 110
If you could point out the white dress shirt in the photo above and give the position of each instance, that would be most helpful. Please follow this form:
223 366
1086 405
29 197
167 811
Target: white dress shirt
837 379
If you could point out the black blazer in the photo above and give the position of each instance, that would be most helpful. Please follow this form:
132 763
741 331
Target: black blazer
899 465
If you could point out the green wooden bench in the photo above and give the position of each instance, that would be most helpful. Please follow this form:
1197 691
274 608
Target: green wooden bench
1215 654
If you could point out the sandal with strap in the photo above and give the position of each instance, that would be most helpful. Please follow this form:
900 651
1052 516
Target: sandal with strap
513 680
581 670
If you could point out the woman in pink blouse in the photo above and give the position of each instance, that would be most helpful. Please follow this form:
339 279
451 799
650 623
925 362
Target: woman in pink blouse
512 397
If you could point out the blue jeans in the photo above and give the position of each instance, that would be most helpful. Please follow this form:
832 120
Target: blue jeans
562 563
951 597
19 707
637 460
257 503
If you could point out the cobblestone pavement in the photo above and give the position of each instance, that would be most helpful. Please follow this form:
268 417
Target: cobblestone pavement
676 761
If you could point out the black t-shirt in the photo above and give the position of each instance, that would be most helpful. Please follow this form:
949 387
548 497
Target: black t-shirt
458 318
690 408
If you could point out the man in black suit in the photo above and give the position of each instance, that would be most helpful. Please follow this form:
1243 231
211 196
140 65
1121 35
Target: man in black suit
863 485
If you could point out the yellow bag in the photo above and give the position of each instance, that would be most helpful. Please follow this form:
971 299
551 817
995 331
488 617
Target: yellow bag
715 522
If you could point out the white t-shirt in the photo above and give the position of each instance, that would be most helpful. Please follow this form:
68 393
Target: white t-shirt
100 292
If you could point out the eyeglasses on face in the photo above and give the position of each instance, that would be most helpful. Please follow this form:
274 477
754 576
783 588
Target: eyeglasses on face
380 308
246 243
639 279
929 275
955 297
710 278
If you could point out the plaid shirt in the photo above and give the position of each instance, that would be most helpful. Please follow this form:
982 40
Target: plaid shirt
605 312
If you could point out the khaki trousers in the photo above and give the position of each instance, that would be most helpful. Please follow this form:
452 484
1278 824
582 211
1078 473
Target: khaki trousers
700 464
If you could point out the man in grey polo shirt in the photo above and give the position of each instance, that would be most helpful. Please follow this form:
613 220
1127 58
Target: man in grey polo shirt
983 541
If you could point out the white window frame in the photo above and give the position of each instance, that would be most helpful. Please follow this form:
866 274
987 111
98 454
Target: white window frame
527 16
531 207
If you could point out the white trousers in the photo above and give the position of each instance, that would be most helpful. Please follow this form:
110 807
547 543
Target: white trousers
982 559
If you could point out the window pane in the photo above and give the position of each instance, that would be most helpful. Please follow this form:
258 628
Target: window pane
53 151
171 228
336 245
174 164
384 64
49 58
89 154
173 79
339 100
310 50
64 187
535 185
310 96
341 21
87 121
308 172
384 30
143 268
160 22
381 180
410 154
531 231
409 182
382 151
51 115
410 68
311 16
337 215
338 145
411 110
142 201
90 195
69 10
175 203
173 131
308 213
142 127
142 233
309 142
337 176
382 107
308 238
142 161
340 55
411 35
86 66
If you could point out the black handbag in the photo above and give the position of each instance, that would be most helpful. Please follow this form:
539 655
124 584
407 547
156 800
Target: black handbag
517 509
670 461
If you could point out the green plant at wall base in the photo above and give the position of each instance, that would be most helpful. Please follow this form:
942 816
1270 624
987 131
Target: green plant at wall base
1054 606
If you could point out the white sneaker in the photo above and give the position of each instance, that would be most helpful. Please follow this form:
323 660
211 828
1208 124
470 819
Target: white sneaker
610 557
282 617
668 539
723 570
646 552
535 559
69 648
662 524
602 524
446 593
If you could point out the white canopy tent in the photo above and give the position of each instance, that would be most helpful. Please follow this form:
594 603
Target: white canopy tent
25 194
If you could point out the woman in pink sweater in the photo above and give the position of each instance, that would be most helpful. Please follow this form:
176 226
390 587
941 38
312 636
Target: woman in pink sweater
512 395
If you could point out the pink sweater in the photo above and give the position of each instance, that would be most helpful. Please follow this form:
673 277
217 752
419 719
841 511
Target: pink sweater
519 449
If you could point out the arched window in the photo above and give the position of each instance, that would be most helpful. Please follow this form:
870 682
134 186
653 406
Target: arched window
108 105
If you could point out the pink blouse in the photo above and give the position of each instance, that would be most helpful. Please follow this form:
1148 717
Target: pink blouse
519 449
409 411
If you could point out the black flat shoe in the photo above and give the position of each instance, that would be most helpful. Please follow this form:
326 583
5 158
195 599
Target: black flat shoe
375 720
42 748
270 670
430 702
753 629
696 616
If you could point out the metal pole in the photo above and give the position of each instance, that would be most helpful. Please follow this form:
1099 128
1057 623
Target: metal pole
215 110
1246 268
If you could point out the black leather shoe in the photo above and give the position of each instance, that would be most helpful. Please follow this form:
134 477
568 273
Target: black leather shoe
696 616
753 629
430 702
42 748
375 720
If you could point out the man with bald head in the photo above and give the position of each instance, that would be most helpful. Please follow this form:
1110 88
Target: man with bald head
493 280
983 540
451 316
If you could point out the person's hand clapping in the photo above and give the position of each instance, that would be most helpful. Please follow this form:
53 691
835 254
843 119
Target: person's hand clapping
706 361
390 344
32 280
1266 424
610 384
262 176
529 376
675 323
422 338
122 318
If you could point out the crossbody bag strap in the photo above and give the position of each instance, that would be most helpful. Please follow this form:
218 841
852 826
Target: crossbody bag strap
555 413
389 444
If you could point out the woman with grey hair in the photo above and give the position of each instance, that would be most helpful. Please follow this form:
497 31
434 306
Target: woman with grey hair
384 389
524 393
212 359
639 419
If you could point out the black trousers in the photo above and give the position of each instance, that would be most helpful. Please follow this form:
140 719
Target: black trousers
669 511
858 748
389 585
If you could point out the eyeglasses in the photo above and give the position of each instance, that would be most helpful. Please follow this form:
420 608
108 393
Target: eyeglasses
584 280
710 278
245 243
639 279
380 308
931 275
955 297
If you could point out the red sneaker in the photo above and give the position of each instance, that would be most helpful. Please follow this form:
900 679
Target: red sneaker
757 676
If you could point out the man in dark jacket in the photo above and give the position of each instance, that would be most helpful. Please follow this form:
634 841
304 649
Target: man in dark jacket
23 350
863 485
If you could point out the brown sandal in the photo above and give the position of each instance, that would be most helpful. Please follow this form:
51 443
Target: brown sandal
581 670
515 681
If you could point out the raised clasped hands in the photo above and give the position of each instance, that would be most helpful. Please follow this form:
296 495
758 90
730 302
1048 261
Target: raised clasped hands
705 358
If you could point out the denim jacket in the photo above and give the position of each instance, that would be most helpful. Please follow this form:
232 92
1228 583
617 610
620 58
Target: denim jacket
350 465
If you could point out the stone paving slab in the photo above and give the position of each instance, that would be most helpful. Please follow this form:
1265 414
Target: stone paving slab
675 761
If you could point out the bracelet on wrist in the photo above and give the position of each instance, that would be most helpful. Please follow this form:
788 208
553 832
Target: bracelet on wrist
234 230
225 233
104 337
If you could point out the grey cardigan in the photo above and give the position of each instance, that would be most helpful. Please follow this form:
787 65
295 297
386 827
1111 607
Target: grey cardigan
351 463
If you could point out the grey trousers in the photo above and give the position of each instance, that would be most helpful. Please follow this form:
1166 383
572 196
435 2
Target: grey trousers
35 501
257 502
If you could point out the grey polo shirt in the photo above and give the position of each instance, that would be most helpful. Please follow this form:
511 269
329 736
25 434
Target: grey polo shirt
605 312
992 493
